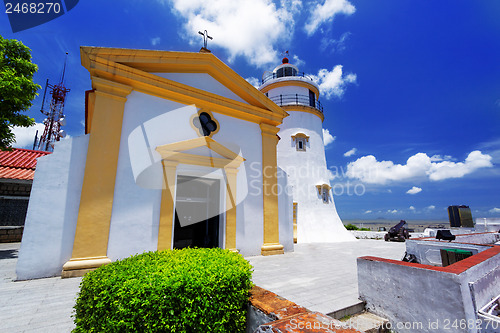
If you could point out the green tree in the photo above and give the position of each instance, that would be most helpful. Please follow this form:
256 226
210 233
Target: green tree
17 88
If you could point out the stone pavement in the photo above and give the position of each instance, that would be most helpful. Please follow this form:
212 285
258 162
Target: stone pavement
320 277
43 305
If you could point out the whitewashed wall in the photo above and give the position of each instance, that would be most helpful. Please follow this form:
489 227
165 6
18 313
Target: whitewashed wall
316 221
413 294
50 225
150 122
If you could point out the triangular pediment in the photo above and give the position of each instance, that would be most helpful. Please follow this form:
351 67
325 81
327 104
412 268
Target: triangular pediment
186 152
155 72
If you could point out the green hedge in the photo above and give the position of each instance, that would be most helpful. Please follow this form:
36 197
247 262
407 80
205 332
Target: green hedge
188 290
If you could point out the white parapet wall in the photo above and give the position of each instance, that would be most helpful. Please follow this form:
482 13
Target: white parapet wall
423 298
50 225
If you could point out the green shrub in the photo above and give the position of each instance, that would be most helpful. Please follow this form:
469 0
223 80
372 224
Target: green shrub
351 227
188 290
364 229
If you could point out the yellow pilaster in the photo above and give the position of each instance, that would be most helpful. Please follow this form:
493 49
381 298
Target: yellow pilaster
94 215
231 176
167 205
270 190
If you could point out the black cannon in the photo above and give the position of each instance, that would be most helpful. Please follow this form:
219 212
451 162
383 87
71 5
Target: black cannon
398 233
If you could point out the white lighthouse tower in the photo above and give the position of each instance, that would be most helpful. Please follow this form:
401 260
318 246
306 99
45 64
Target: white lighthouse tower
301 154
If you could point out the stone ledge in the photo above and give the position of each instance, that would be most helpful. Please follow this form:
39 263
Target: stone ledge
288 317
11 234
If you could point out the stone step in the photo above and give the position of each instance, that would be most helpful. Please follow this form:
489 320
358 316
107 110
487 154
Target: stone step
367 322
348 311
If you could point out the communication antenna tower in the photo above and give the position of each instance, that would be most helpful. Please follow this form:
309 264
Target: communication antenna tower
55 114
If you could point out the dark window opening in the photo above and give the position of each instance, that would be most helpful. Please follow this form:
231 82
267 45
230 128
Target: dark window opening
312 99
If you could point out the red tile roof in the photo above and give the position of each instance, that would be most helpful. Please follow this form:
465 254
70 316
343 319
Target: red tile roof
19 163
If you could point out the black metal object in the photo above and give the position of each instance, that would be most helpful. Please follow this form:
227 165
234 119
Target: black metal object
460 216
205 124
410 258
398 233
206 37
296 99
445 235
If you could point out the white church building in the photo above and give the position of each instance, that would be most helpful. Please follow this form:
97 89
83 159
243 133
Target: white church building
179 151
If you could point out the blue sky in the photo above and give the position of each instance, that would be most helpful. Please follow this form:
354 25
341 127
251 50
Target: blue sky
411 89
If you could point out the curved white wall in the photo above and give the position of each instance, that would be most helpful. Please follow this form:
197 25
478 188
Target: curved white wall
316 221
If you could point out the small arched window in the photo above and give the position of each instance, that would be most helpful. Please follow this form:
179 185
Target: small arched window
300 140
324 192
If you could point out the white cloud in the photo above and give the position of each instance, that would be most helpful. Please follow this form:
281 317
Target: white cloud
350 152
325 12
249 28
431 207
25 136
494 210
297 61
368 212
327 137
369 170
333 83
439 158
253 81
335 45
414 190
412 208
394 211
447 169
155 41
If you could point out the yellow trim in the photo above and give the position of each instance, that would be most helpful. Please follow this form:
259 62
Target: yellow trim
269 186
167 210
94 215
133 67
173 152
321 187
293 83
172 155
295 208
231 175
300 135
196 129
90 110
304 108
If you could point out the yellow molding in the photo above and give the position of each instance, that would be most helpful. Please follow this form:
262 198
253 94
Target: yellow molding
96 201
206 161
322 186
293 83
304 108
178 92
269 188
172 156
300 135
166 224
171 150
178 62
231 175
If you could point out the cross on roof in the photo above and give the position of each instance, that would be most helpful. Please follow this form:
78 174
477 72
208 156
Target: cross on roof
205 38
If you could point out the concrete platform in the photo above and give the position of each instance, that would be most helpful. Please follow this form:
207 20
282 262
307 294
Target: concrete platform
321 277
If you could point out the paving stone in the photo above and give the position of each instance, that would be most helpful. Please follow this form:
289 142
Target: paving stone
321 277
